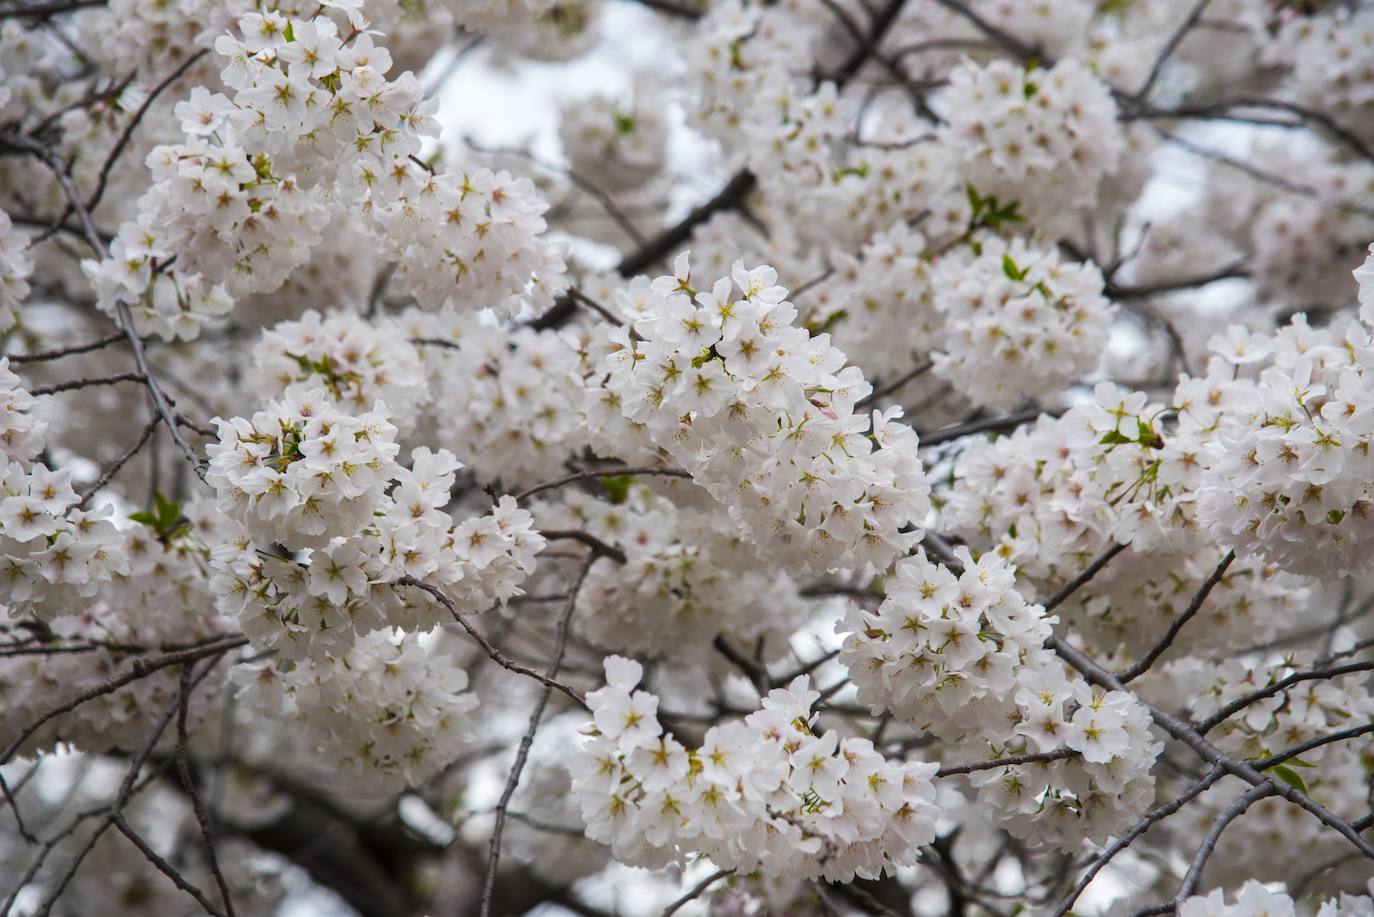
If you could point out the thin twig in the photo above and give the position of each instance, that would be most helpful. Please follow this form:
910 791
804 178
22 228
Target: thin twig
495 654
1149 659
696 891
522 755
598 473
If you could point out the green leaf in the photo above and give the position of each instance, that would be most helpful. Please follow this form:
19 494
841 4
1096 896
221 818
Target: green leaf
1299 762
1290 777
144 517
1114 438
617 487
975 200
1012 270
289 34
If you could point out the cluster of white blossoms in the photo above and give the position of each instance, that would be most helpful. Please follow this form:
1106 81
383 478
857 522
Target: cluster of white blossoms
763 415
1275 838
521 414
303 469
1292 477
55 557
15 267
1018 322
383 716
1255 900
688 576
361 546
1306 710
1044 138
616 147
464 238
1331 71
358 363
963 657
769 793
22 432
881 304
313 126
149 588
1056 494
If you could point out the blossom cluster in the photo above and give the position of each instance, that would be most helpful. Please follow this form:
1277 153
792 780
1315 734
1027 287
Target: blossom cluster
305 474
1275 838
688 576
1290 479
382 716
22 432
764 416
1255 900
1056 494
1045 138
314 126
15 267
1018 322
768 793
522 408
359 364
615 147
148 588
963 657
303 470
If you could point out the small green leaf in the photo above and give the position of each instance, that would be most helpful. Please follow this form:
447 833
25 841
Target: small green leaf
289 34
1114 438
617 487
146 518
1290 777
1012 270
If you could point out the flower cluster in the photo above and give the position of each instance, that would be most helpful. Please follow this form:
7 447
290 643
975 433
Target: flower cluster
303 470
767 794
881 304
15 267
345 587
383 716
358 363
763 415
55 557
1045 138
1055 495
521 414
1018 322
615 147
314 126
1330 60
22 434
1290 479
688 576
150 588
464 238
962 657
1282 719
1254 900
